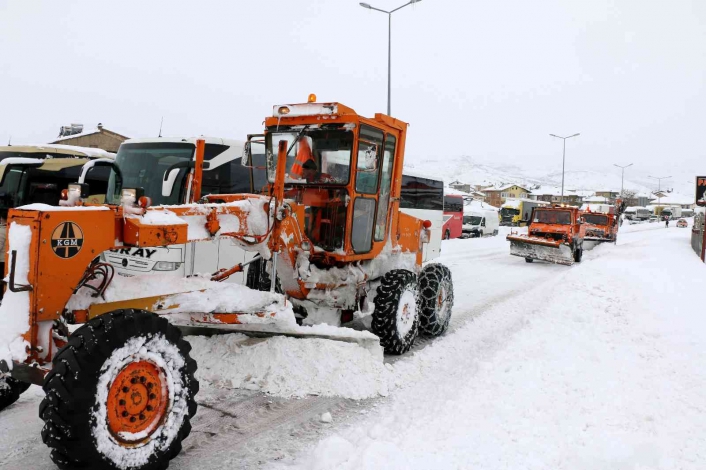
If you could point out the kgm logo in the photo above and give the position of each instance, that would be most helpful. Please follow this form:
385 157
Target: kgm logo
67 240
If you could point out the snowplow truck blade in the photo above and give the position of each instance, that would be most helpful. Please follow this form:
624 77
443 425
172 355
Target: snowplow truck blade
542 249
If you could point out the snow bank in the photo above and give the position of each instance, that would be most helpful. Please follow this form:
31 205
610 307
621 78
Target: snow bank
14 311
290 367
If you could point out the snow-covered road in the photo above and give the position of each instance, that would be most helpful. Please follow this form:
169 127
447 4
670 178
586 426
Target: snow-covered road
594 366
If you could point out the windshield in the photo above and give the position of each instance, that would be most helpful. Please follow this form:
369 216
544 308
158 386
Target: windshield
321 156
596 219
143 166
471 220
508 211
552 217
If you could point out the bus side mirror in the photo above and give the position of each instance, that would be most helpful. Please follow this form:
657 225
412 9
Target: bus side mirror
171 173
246 160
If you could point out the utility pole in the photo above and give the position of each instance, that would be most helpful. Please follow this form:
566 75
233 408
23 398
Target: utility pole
659 186
563 161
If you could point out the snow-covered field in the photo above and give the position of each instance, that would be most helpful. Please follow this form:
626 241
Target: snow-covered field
595 366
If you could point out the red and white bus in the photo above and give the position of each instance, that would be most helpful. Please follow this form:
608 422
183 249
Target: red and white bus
453 215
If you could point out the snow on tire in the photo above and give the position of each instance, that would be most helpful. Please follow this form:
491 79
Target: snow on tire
436 299
395 319
120 394
10 390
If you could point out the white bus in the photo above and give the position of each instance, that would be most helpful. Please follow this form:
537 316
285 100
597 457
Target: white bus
423 197
145 163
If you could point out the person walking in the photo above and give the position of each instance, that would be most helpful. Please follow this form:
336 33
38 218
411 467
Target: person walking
666 222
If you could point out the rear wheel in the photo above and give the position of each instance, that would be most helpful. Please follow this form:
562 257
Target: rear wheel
447 235
120 394
529 260
436 299
396 319
10 390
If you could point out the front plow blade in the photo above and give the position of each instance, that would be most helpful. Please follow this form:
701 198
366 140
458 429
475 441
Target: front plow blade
541 249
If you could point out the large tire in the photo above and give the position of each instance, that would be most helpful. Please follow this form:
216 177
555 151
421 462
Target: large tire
436 299
396 318
258 277
101 410
578 254
529 260
10 390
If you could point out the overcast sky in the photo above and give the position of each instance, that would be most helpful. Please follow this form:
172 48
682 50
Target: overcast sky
490 79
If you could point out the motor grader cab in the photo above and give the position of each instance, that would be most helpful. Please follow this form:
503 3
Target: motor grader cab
120 389
555 234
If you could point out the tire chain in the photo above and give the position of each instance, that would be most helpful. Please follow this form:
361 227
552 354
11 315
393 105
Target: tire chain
432 276
384 322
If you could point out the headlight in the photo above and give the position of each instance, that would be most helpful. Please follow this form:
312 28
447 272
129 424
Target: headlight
130 196
166 266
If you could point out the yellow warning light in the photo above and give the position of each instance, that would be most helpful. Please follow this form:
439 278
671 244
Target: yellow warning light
283 110
312 98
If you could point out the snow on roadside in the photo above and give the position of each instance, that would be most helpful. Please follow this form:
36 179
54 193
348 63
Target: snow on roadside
290 367
602 370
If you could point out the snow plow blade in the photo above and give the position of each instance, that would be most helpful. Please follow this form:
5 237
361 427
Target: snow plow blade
541 249
263 315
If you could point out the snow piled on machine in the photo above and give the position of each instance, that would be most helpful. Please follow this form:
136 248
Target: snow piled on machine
290 367
14 311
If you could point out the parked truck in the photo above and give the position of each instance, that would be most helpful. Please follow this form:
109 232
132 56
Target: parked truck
516 212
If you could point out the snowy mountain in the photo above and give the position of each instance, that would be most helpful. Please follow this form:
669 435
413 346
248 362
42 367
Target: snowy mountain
475 171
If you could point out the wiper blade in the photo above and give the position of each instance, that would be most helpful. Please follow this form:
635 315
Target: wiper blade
299 136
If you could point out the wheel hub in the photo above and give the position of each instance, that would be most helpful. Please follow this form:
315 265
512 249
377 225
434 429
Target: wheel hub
136 402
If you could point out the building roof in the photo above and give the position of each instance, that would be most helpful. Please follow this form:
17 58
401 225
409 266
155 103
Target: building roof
596 200
86 132
504 187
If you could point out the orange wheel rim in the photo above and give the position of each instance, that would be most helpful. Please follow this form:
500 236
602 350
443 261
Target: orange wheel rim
137 402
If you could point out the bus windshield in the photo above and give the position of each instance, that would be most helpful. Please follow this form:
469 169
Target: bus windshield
143 166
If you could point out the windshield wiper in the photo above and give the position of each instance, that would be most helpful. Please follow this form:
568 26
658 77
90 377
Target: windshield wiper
299 136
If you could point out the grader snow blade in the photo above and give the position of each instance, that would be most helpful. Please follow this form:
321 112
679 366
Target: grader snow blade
542 249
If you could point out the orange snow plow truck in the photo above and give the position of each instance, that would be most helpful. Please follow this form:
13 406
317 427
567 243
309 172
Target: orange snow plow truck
120 389
555 234
602 221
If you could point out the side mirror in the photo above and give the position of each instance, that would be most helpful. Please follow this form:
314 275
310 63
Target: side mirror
88 166
368 161
246 160
171 173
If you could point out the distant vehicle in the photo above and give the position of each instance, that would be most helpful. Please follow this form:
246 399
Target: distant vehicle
671 213
687 213
681 223
479 223
555 234
637 213
453 216
516 212
423 197
653 218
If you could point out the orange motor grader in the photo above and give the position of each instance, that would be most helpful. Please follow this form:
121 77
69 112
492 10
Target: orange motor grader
120 389
555 234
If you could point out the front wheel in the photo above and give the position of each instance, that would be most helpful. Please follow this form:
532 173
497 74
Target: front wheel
578 254
436 299
529 260
10 390
120 394
396 319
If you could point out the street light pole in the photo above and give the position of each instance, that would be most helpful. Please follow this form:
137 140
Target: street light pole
389 47
563 161
659 186
622 177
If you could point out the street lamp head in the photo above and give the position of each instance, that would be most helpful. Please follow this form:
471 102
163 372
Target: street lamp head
573 136
414 1
365 5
